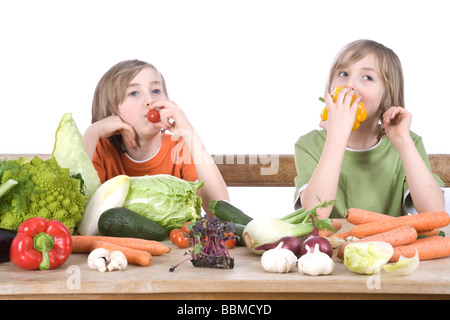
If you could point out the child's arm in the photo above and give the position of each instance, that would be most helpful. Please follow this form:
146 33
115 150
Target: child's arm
324 181
425 191
105 128
214 185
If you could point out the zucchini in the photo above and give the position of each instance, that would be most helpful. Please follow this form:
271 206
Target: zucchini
239 232
226 211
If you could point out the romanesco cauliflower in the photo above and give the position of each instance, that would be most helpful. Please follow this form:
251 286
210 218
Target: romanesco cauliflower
44 189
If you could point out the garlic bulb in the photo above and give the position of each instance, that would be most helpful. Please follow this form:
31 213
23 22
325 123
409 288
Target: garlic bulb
278 260
315 263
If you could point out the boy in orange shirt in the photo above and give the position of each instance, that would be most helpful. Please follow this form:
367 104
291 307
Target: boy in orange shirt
121 140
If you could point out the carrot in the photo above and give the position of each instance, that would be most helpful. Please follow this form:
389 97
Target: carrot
396 237
429 233
134 256
336 224
361 216
342 235
428 248
420 221
82 244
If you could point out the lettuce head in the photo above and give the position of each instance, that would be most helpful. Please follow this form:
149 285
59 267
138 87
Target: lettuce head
165 199
367 257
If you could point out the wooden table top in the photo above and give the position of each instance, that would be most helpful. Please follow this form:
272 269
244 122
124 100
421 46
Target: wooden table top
74 280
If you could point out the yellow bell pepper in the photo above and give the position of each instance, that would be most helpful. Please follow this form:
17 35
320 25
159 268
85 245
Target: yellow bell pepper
361 113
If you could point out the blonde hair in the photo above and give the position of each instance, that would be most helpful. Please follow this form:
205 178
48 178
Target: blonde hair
111 89
390 69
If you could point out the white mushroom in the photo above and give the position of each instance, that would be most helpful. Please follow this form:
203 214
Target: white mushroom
98 259
118 261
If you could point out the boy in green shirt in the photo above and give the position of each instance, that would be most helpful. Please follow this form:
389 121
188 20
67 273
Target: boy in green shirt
381 165
366 176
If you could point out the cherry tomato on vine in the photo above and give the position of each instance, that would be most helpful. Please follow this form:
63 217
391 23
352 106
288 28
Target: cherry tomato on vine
153 116
181 240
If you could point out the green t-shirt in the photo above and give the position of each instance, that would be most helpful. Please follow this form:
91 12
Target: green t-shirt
372 179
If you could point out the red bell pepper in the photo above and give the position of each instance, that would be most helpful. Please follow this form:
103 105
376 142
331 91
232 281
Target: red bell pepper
41 244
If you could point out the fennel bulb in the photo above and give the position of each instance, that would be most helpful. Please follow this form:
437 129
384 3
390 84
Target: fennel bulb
262 231
110 194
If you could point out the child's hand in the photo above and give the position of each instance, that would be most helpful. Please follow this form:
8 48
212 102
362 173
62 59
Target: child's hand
397 122
114 125
172 118
341 114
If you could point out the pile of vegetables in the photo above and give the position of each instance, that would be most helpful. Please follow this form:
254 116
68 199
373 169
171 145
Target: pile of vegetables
376 239
164 199
45 202
263 231
208 238
314 254
38 188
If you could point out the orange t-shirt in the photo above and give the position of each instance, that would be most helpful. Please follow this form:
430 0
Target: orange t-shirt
173 157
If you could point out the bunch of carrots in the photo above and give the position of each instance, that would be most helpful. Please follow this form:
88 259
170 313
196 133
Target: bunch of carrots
137 251
400 232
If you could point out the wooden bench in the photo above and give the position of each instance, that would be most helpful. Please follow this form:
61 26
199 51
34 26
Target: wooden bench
272 170
278 170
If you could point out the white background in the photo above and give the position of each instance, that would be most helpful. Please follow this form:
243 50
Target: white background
247 72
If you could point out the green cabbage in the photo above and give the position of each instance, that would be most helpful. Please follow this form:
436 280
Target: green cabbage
367 257
165 199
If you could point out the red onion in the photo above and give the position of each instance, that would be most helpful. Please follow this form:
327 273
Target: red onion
291 243
324 244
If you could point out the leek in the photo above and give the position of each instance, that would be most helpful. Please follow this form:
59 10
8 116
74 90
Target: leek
302 215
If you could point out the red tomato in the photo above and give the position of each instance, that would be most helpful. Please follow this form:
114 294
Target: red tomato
230 243
153 116
185 226
173 233
181 241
